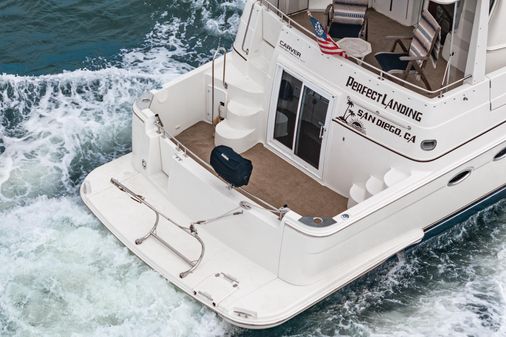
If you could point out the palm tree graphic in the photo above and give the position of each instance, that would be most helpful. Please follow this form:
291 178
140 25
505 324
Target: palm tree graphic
348 113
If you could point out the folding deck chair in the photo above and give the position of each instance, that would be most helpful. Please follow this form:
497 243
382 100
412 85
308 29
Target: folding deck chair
347 18
425 46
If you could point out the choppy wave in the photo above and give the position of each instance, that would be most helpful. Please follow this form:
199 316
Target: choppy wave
55 128
63 274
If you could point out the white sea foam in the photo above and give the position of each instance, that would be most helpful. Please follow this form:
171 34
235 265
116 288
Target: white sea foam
475 307
63 115
75 116
63 274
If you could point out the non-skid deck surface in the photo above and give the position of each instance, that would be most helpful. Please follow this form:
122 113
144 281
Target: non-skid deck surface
381 26
273 179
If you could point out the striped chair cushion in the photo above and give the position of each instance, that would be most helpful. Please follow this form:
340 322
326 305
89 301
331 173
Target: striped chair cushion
350 11
426 33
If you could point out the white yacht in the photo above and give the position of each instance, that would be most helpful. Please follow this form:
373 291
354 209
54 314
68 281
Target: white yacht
358 152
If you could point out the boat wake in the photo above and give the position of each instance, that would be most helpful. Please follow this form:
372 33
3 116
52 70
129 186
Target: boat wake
63 274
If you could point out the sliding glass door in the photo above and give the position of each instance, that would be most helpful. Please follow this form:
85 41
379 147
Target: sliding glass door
299 121
311 127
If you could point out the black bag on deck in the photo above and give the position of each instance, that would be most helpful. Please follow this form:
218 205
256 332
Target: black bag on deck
231 166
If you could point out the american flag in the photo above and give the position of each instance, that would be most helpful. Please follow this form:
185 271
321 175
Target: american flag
327 45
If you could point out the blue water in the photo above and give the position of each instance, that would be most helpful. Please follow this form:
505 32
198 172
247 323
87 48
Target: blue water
70 70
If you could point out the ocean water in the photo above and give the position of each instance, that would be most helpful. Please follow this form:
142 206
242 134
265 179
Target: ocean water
69 72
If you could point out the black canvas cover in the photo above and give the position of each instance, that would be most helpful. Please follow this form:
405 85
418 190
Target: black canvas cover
231 166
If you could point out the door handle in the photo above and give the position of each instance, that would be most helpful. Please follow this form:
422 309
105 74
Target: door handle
322 131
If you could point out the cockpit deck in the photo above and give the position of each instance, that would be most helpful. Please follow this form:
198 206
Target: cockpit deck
273 179
381 26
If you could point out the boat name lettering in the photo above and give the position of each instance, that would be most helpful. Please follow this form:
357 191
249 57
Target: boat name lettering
383 99
290 49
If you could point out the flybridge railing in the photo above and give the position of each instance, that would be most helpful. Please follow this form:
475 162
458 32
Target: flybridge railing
382 74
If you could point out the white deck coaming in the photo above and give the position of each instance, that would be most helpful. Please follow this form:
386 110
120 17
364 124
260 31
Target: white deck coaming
463 158
414 212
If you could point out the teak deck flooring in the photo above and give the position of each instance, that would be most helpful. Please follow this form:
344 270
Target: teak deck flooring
273 179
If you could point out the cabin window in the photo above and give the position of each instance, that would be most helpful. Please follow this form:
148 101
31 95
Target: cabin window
460 177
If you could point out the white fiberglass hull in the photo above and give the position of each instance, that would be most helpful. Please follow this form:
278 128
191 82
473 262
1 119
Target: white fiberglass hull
239 289
260 300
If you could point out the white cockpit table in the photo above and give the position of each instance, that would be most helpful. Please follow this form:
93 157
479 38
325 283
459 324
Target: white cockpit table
355 47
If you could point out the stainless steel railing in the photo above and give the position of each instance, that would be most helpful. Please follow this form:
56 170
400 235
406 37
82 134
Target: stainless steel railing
382 74
191 231
246 51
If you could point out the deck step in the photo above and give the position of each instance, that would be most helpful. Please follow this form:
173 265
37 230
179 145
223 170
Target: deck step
374 185
358 194
394 176
238 139
259 63
237 78
242 115
242 87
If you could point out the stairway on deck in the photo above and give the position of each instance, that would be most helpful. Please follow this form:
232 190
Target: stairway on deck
239 129
244 103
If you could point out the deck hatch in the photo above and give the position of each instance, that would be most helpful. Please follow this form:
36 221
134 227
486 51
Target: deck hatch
216 287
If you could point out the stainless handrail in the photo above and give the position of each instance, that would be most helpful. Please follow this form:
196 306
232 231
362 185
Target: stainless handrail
246 51
225 85
152 232
382 73
439 92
